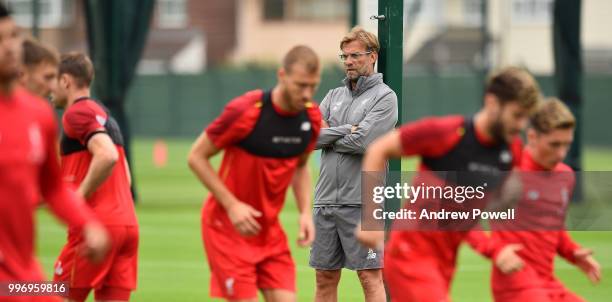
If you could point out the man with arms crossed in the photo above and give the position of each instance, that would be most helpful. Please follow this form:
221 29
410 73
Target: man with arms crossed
29 169
93 159
267 137
354 115
419 265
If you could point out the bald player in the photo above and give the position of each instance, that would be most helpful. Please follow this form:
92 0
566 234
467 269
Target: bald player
267 136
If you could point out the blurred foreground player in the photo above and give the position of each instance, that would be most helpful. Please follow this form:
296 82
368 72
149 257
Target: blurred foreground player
267 137
419 265
548 187
29 169
93 159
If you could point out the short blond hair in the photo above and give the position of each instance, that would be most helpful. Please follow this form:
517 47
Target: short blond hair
368 39
552 114
513 84
304 55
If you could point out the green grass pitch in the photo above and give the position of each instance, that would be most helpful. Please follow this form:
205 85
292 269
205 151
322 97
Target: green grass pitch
172 265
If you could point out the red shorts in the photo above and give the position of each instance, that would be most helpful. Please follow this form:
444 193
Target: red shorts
112 279
239 268
527 286
416 280
33 273
537 295
30 299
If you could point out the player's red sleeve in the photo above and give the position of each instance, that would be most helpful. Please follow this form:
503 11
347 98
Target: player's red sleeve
63 201
483 243
81 122
236 121
516 148
314 114
431 136
567 246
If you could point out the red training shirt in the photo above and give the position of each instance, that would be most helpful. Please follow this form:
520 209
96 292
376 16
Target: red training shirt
29 168
258 175
539 247
112 201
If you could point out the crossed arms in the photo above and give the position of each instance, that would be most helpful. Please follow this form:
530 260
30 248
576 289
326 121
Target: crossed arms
354 139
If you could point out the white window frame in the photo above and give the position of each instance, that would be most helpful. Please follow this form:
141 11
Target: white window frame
471 16
55 17
542 16
166 19
307 10
431 13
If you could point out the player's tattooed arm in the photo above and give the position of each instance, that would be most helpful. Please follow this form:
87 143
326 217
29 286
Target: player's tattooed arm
509 193
381 150
374 163
242 215
104 157
301 185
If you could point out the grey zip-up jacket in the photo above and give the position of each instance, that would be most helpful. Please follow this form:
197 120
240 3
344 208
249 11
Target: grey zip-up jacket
372 107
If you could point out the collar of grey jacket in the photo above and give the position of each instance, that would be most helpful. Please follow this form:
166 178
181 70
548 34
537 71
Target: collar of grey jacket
364 83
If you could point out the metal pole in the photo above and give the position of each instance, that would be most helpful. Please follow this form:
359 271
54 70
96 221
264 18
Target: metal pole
569 75
354 17
484 31
36 18
390 60
390 63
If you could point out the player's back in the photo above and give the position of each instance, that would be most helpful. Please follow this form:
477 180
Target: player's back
112 201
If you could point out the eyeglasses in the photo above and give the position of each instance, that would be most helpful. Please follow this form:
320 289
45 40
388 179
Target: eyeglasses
353 56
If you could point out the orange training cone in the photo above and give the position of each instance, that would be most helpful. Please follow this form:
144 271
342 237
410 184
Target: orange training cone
160 153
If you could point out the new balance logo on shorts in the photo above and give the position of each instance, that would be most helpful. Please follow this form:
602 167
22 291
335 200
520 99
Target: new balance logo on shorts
371 254
58 269
229 286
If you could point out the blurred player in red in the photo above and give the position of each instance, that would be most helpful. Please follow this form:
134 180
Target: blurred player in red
39 74
419 265
549 138
267 137
29 169
93 159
